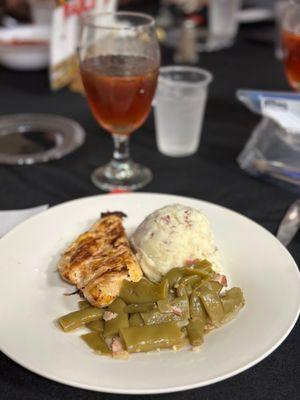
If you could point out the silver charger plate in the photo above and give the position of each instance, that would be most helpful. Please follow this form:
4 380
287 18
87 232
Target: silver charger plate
37 138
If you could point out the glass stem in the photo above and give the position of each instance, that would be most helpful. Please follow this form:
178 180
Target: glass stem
121 149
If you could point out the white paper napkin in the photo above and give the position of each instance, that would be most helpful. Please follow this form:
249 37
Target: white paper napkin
11 218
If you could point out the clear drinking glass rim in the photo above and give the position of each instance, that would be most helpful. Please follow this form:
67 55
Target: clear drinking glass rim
207 80
87 18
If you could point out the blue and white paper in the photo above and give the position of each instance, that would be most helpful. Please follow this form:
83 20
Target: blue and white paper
282 107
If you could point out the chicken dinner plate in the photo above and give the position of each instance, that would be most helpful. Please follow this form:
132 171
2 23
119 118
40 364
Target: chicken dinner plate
33 298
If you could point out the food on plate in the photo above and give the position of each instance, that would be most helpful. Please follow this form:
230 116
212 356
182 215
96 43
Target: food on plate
145 292
187 304
126 312
170 237
78 318
153 337
99 260
96 342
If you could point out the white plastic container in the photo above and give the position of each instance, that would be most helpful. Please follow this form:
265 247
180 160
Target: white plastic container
25 47
180 103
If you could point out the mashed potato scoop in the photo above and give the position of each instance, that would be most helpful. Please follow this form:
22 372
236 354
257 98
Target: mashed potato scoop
172 236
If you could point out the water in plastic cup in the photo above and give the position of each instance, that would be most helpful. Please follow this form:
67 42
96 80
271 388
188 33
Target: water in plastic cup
179 109
223 21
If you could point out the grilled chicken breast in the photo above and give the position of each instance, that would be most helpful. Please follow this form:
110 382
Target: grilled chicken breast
99 259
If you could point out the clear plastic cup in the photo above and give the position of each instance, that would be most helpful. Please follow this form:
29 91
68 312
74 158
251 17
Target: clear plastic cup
223 21
180 103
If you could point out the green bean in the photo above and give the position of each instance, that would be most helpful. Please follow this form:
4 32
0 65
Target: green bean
203 273
112 326
136 320
164 306
214 286
184 343
233 301
202 268
212 304
181 289
195 330
143 291
155 317
83 304
147 338
136 308
197 309
186 284
200 264
78 318
117 306
182 303
171 295
174 275
96 342
184 331
96 326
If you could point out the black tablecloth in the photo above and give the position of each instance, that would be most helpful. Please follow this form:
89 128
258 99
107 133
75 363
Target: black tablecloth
212 174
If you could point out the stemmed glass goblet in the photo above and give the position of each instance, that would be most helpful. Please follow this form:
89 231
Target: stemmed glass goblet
119 63
291 42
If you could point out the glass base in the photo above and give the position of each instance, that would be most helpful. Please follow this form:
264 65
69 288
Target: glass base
121 175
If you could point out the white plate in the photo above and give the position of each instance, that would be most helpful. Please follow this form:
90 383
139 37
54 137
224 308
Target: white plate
32 51
32 299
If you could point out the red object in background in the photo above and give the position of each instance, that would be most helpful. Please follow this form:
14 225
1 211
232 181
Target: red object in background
198 19
291 58
120 90
78 7
118 191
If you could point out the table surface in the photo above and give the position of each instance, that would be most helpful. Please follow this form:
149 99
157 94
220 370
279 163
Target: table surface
212 174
